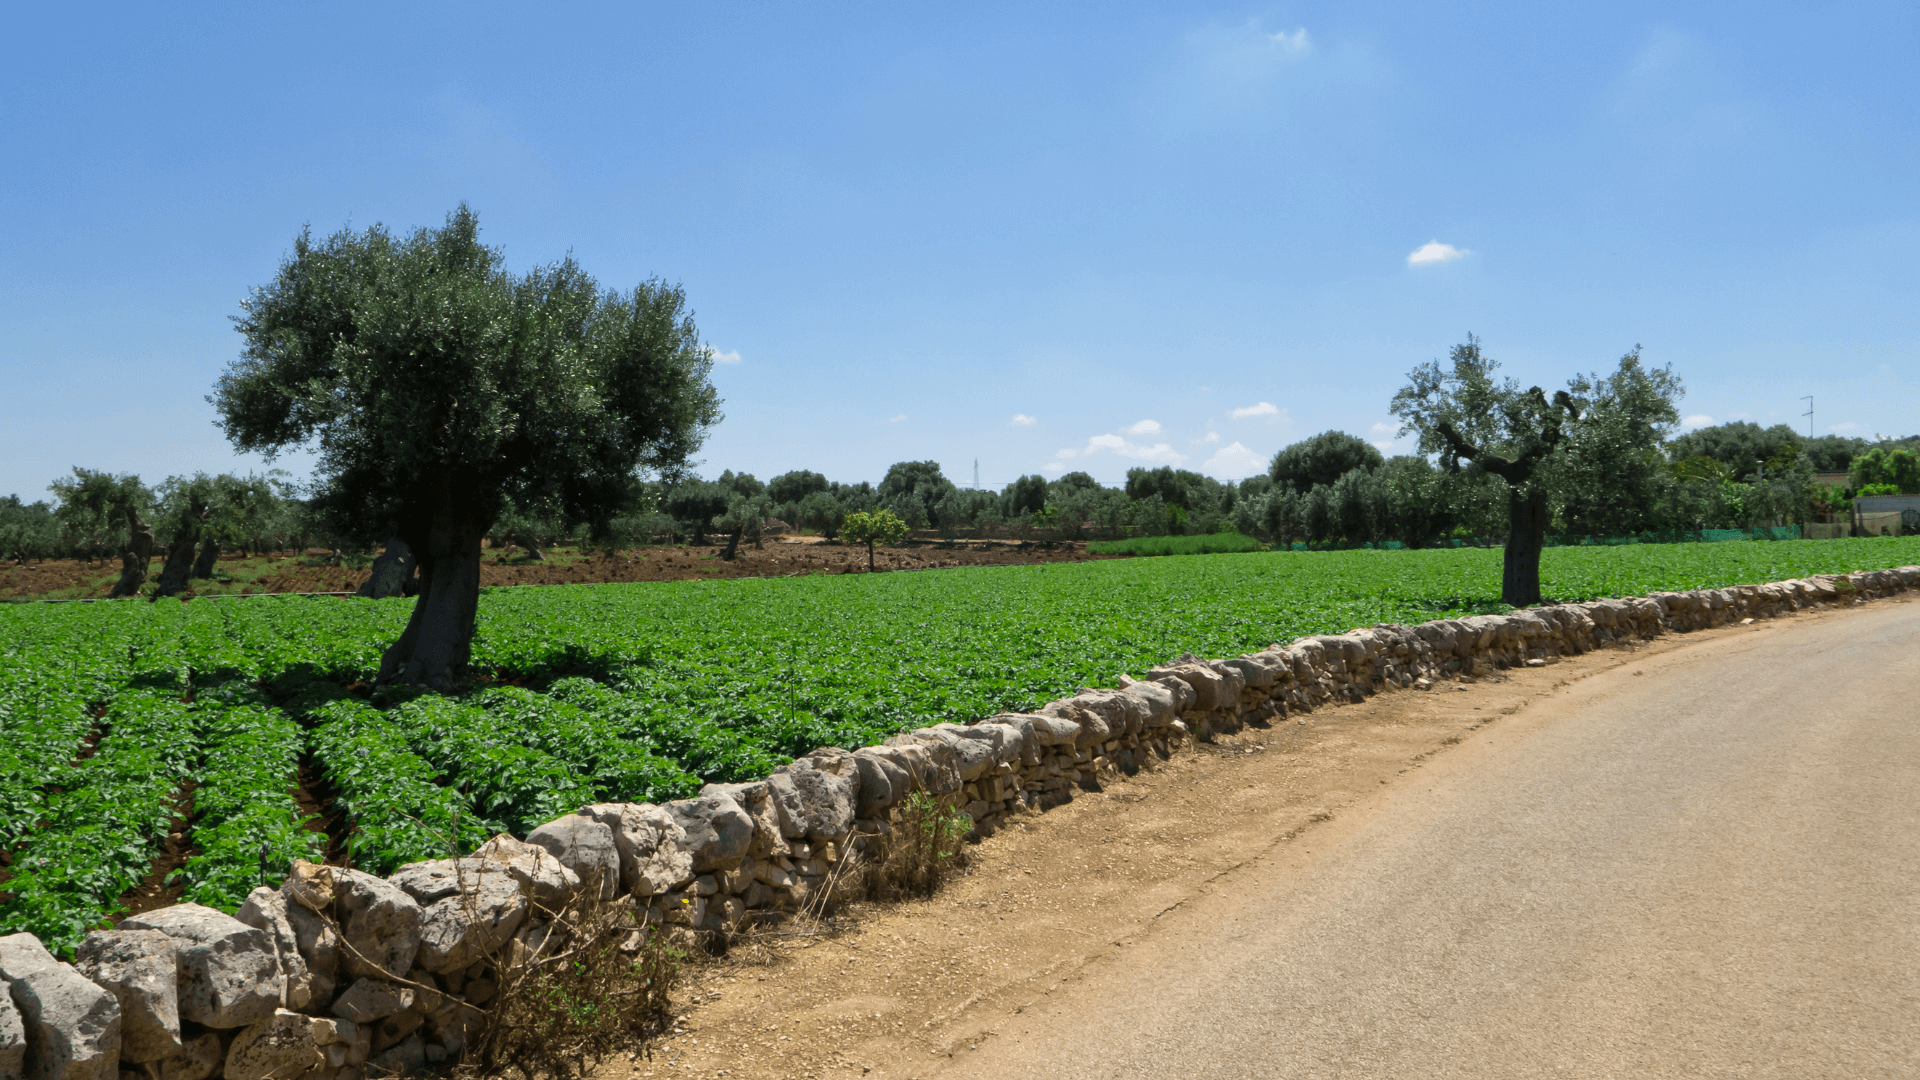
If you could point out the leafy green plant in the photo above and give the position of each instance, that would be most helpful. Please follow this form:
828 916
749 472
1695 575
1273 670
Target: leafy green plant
882 527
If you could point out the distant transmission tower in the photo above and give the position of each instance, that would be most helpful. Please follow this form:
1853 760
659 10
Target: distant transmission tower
976 474
1809 415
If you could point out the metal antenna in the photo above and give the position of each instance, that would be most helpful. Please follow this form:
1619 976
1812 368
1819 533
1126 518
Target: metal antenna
1809 414
976 474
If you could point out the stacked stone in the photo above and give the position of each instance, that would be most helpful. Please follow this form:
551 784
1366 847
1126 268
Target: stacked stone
339 974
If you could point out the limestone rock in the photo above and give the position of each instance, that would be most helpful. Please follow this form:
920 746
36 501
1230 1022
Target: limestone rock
458 928
535 868
882 783
971 756
409 1057
280 1046
310 885
584 846
652 846
229 974
266 911
756 799
199 1058
71 1026
13 1036
810 802
139 969
718 832
368 1000
380 932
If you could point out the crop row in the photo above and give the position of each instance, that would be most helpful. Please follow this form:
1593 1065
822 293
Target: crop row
109 714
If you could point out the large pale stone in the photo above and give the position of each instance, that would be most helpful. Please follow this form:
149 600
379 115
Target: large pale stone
459 927
654 857
718 832
266 910
229 975
139 968
534 867
13 1036
882 783
584 846
811 803
71 1026
281 1046
381 931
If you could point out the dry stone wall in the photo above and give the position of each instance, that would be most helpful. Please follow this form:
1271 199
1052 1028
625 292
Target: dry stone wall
341 975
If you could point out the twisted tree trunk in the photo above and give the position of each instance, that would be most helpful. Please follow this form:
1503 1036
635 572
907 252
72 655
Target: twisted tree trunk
174 575
437 644
209 554
1526 539
134 560
391 571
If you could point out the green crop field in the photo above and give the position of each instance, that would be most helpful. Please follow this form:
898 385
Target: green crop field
240 715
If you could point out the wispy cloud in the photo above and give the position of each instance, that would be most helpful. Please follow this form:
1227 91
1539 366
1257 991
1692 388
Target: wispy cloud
1234 461
1264 408
1697 420
1067 453
1144 427
1433 251
724 357
901 419
1211 436
1023 420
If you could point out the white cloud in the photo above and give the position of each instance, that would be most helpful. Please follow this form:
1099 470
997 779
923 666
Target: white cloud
1136 451
1264 408
1384 447
1433 251
1385 428
1211 436
1295 42
724 357
901 419
1234 461
1067 453
1144 427
1847 426
1697 420
1023 420
1053 466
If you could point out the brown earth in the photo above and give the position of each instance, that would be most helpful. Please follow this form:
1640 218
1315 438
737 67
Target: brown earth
903 990
78 579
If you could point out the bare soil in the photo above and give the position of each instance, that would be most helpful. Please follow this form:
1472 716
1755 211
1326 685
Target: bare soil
68 579
897 990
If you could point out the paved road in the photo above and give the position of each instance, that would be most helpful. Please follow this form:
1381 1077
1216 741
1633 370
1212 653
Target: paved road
1710 868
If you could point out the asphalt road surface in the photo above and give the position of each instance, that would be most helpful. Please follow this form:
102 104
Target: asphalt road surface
1703 864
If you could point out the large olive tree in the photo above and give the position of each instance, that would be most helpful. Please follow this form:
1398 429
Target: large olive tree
438 386
1460 411
1591 446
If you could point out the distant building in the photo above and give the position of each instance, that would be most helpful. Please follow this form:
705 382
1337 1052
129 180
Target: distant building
1832 479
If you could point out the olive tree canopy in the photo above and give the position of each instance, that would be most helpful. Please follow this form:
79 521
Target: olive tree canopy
438 386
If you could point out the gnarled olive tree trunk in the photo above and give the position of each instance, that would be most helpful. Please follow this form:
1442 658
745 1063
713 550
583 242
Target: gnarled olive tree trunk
391 571
136 556
174 575
209 554
1526 538
438 643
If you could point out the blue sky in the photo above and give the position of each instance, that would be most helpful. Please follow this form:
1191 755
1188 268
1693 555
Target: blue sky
1042 237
